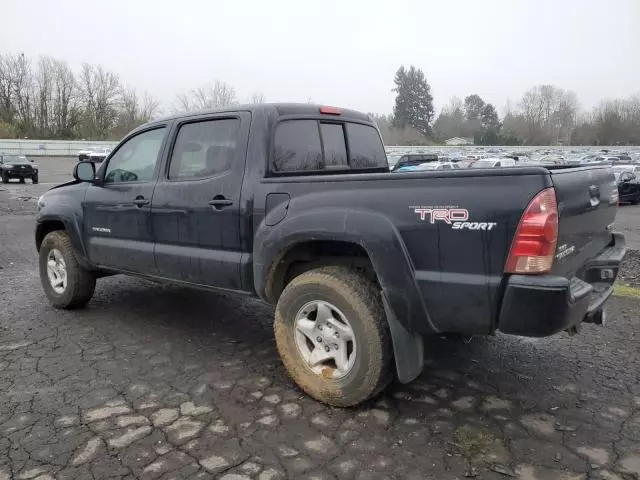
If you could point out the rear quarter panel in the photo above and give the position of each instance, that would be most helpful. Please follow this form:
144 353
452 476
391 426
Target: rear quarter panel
439 278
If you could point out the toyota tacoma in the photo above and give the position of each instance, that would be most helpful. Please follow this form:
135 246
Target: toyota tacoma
295 204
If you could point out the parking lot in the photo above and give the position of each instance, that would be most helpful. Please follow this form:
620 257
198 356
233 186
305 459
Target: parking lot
153 381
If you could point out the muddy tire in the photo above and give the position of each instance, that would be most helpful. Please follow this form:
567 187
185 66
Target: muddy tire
65 282
321 309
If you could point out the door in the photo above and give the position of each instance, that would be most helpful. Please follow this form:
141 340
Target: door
196 205
117 209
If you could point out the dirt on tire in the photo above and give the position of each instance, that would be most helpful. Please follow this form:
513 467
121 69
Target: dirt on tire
356 296
81 283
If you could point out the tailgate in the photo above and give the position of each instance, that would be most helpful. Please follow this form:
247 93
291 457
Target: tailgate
587 203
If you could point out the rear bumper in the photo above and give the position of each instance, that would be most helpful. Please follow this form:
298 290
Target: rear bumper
538 306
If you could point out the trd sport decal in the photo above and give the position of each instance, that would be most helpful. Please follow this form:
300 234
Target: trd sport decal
457 217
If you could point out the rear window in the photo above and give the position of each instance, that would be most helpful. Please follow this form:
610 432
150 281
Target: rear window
366 147
297 147
335 148
313 145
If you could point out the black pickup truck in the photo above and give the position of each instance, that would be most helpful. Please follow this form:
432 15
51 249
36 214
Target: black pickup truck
295 204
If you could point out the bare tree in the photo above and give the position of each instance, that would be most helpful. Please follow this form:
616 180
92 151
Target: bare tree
99 94
550 113
7 112
213 96
66 111
134 111
44 93
258 97
22 92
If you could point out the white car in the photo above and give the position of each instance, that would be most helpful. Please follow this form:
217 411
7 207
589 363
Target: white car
437 166
494 163
607 159
93 154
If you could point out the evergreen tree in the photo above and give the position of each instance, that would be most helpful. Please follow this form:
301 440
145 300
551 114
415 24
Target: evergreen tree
473 105
414 102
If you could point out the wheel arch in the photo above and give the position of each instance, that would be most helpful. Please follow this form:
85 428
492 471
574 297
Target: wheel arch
364 239
50 223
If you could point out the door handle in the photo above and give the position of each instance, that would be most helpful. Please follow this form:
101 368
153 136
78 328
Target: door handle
218 203
140 201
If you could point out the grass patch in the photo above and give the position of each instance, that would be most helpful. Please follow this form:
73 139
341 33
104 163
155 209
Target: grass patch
472 440
622 290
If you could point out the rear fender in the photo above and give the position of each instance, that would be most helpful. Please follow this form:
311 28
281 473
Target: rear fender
388 255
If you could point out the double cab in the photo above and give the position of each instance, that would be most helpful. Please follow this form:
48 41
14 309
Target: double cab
295 204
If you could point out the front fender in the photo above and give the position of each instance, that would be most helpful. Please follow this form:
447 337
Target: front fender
67 211
369 229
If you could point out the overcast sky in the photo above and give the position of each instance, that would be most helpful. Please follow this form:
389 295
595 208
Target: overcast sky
341 52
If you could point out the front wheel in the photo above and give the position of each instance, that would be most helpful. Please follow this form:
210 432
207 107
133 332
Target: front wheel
65 282
34 179
332 336
5 179
21 179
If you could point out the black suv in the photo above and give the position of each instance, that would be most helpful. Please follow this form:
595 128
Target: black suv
17 166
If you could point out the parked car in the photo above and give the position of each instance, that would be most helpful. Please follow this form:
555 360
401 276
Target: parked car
610 159
84 154
429 166
494 163
628 187
413 160
98 156
94 155
294 204
623 158
17 166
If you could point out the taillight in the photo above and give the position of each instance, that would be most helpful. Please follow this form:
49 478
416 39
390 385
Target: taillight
534 244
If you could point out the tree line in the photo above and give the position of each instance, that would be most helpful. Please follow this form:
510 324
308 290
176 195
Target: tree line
545 115
47 99
44 98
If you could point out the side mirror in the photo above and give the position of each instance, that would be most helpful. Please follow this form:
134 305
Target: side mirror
84 171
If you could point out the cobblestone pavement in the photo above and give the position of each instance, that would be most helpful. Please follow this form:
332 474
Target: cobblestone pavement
163 382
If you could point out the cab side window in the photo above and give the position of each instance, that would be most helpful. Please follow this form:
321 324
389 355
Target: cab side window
136 159
204 149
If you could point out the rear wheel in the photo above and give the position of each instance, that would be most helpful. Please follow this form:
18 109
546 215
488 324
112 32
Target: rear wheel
65 282
21 179
332 335
34 179
5 179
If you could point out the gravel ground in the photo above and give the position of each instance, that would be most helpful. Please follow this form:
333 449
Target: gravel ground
152 381
630 269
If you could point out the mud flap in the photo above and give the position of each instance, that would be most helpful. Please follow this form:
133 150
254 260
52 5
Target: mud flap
408 347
